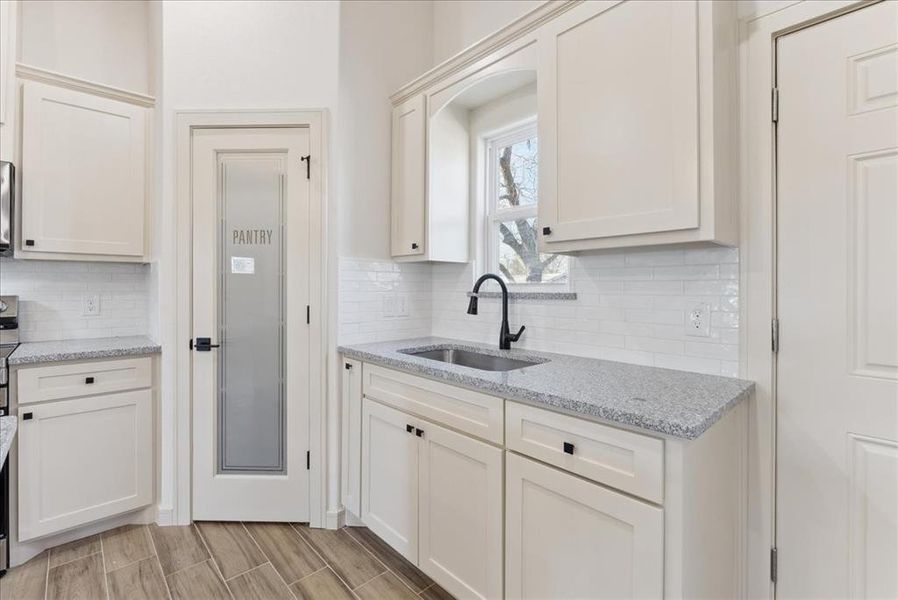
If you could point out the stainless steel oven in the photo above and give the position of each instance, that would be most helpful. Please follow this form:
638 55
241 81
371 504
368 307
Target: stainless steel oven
7 205
9 340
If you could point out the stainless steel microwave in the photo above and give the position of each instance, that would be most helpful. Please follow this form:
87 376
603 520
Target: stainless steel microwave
7 202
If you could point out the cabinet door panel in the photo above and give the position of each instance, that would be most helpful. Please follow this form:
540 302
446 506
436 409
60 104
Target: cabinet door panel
83 460
352 435
83 173
618 120
568 538
461 513
409 177
390 477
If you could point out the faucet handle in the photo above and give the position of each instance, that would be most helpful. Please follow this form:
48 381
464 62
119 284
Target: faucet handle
516 336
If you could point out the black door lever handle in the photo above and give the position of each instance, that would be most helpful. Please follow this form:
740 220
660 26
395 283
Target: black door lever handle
203 344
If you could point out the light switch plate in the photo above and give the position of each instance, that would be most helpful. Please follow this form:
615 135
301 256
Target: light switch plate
90 305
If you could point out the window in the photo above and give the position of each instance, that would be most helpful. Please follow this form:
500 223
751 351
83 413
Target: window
511 213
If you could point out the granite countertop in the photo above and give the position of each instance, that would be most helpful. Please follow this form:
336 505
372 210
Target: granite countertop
675 403
8 427
114 347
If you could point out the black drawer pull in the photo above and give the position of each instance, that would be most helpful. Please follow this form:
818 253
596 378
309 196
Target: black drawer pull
27 416
409 428
568 448
419 432
88 380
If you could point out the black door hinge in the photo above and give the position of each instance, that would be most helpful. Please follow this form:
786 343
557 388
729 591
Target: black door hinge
773 565
308 315
308 460
775 105
308 160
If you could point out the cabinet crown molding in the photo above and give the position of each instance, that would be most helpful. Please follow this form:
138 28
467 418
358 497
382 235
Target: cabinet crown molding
517 28
38 74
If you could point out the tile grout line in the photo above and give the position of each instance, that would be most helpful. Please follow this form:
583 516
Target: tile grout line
337 575
212 558
103 563
73 560
158 561
387 567
268 558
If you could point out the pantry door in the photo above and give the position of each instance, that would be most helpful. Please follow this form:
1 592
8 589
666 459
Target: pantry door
250 334
837 281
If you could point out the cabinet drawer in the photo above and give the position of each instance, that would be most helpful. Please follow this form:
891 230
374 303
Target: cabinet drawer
621 459
468 411
38 384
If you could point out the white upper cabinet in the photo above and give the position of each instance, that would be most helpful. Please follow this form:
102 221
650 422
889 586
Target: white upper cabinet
629 102
7 57
84 176
409 177
636 121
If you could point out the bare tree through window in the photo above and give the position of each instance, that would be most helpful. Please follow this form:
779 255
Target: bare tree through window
519 258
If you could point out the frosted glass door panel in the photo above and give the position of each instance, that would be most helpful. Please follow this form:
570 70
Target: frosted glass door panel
251 396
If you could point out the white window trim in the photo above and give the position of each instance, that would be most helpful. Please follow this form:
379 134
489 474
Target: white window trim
493 214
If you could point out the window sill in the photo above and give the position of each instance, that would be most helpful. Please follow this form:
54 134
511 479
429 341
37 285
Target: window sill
528 296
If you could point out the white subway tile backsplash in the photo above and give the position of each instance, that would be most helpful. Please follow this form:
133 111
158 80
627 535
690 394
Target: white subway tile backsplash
631 306
50 298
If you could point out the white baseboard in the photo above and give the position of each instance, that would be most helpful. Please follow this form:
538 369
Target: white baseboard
335 519
165 516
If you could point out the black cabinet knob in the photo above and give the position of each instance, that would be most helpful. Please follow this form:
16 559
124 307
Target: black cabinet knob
409 428
348 366
29 242
419 432
568 448
27 416
88 380
547 231
414 246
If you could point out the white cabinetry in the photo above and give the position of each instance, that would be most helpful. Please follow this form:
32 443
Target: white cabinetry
408 200
390 477
569 538
435 496
460 513
84 182
81 459
7 61
634 118
351 400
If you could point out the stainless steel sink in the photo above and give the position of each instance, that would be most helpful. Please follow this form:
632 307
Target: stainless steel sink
475 360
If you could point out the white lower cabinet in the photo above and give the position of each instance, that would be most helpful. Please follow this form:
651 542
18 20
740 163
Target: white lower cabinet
569 538
435 496
83 459
460 513
390 477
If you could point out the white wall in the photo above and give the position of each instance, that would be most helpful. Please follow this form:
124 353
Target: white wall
459 23
51 293
230 55
102 41
382 46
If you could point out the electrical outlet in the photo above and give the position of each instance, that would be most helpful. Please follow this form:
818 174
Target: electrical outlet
387 305
90 305
698 321
401 305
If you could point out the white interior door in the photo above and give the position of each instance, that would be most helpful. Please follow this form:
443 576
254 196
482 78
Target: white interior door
250 297
837 368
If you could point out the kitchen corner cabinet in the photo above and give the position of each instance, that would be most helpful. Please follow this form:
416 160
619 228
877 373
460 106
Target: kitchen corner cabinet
85 443
409 164
84 176
636 125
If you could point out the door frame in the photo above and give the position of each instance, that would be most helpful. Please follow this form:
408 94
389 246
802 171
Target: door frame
758 259
320 242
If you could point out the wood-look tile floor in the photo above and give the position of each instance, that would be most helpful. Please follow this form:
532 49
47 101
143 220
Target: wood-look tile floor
221 561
